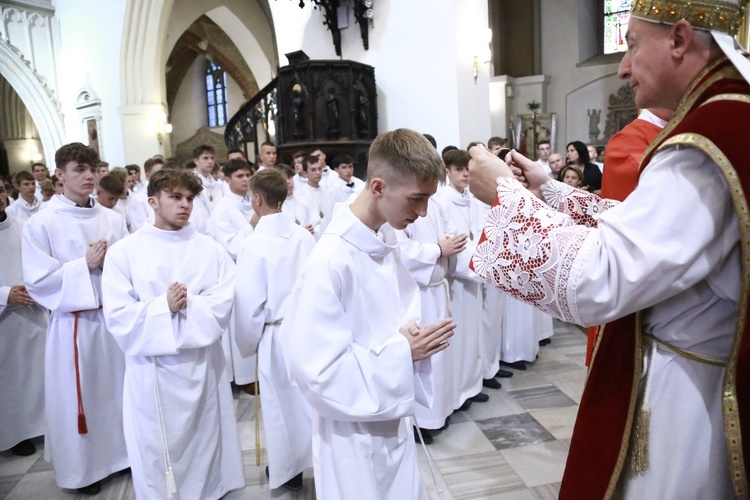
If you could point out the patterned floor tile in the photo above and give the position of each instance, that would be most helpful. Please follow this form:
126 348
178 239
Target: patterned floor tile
558 421
538 464
537 398
513 431
479 476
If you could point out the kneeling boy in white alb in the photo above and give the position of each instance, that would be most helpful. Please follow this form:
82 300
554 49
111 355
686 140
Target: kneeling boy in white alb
267 266
351 337
167 313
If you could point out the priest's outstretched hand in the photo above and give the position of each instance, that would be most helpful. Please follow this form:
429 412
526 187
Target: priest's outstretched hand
529 172
485 168
177 296
428 340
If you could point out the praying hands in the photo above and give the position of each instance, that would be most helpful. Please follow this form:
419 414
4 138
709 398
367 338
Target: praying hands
428 340
177 296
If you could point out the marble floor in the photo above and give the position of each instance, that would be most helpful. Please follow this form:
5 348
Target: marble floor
512 447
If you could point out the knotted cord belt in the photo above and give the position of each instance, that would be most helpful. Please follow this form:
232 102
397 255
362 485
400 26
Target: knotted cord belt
257 401
82 428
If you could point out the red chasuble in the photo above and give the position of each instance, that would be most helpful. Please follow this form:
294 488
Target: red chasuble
713 116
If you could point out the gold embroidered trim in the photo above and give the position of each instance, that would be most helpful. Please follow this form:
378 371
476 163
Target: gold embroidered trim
694 91
625 443
702 14
732 432
729 97
698 358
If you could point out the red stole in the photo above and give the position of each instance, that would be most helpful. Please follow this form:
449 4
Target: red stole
598 449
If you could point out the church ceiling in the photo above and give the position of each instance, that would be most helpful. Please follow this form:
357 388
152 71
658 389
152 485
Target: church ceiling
204 37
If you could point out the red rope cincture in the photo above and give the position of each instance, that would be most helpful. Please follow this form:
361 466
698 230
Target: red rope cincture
82 427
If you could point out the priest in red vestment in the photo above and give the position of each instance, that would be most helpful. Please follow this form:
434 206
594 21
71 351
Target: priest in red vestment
667 398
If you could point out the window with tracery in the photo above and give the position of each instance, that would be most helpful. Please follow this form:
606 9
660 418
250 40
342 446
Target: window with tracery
615 23
216 95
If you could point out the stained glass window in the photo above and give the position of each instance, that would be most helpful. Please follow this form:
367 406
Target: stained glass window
216 95
616 17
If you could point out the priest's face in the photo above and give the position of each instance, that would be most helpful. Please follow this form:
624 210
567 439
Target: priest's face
647 65
77 178
172 208
403 201
238 181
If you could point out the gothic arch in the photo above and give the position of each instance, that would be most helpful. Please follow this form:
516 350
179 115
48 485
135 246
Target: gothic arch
145 43
36 96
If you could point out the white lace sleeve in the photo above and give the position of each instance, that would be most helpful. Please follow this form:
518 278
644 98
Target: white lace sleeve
528 250
583 207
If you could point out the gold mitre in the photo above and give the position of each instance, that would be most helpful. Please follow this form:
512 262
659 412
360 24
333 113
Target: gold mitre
722 16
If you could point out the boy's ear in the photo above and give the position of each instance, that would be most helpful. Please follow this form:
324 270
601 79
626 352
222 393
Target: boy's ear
152 202
376 187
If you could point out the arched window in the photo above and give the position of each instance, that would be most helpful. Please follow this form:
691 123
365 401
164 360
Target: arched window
216 95
615 24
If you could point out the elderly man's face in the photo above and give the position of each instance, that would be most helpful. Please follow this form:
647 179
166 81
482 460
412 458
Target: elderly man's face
647 65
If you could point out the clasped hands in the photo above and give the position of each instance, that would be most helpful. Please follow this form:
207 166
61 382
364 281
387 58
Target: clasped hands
18 296
428 340
177 296
485 168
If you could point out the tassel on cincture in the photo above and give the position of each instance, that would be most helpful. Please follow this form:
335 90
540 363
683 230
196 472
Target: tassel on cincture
639 459
171 484
82 428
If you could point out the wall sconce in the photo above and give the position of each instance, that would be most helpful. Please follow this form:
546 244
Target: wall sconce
482 52
162 127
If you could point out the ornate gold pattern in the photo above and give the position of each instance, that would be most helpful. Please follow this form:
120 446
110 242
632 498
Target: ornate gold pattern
729 97
732 432
625 443
692 356
702 14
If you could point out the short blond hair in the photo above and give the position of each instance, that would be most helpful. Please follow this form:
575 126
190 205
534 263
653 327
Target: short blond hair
402 154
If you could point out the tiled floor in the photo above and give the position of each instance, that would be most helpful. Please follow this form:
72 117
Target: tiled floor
512 447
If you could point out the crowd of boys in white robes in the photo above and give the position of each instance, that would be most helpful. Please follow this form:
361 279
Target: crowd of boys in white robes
434 251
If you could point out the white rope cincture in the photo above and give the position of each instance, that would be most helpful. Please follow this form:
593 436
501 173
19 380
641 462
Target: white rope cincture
169 473
429 456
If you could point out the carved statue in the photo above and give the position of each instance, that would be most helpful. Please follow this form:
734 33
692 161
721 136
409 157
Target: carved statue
297 104
594 117
332 109
364 113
